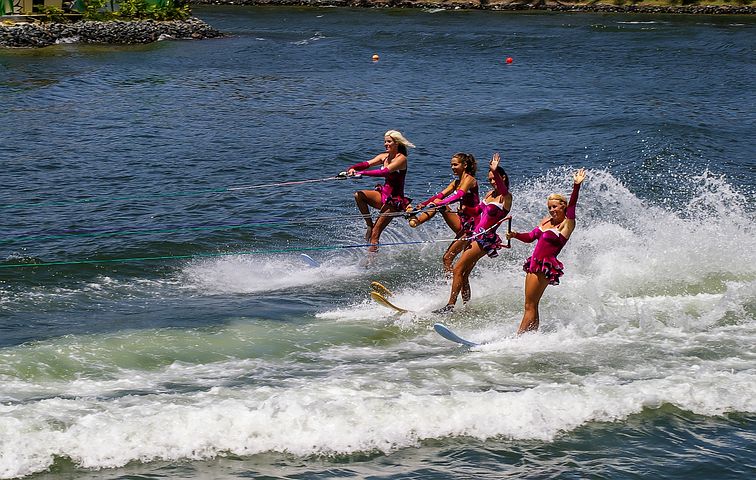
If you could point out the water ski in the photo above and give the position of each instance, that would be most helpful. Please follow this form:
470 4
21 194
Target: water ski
378 288
445 332
382 300
309 260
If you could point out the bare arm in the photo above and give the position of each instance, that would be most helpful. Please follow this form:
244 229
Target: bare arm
399 162
467 182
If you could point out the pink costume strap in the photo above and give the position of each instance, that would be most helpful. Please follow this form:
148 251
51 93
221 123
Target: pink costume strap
529 237
359 166
451 198
570 213
435 197
501 187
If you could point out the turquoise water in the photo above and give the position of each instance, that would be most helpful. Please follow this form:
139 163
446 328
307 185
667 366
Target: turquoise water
178 333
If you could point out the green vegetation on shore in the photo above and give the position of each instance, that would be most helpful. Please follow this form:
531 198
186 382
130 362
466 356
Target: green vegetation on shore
135 9
102 10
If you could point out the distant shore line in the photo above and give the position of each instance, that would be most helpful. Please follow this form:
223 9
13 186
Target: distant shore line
118 32
502 5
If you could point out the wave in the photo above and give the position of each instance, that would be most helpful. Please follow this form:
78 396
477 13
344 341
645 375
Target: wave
679 242
345 413
656 308
252 274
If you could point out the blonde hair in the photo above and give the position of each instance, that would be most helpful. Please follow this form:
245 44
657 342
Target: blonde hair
399 138
557 196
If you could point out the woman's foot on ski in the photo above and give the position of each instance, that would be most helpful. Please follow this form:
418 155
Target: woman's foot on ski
445 309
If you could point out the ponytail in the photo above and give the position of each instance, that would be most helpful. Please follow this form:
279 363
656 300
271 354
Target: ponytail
471 165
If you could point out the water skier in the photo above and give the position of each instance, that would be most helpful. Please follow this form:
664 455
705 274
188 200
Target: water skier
387 198
494 208
463 189
542 267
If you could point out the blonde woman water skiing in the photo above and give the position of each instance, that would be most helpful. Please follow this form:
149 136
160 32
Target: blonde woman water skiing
387 198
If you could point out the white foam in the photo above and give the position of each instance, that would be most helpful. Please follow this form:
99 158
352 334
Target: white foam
254 274
655 308
338 415
317 36
68 40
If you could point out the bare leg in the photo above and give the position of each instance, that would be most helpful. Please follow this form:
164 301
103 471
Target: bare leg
365 199
462 273
451 253
380 224
535 285
452 220
421 218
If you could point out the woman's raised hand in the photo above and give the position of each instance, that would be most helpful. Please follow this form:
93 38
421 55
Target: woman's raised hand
579 176
495 159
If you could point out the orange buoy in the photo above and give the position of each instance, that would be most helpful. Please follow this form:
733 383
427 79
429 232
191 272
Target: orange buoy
376 57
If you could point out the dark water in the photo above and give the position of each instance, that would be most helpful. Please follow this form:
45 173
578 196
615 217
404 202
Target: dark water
174 331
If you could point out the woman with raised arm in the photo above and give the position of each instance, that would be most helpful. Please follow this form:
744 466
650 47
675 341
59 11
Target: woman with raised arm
463 189
484 241
387 198
543 268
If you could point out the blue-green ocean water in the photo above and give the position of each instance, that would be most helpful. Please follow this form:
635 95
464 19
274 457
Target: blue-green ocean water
231 358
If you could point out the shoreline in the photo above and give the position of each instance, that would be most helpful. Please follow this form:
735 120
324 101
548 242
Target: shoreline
34 34
501 5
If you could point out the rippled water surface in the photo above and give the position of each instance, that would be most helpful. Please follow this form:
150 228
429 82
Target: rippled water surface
173 329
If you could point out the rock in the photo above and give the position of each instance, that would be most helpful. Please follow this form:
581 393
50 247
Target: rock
110 32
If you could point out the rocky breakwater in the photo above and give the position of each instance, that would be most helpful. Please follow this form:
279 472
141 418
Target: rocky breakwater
42 34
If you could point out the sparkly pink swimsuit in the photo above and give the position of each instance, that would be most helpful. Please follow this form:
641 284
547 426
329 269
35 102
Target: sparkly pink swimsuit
544 259
550 243
491 215
392 191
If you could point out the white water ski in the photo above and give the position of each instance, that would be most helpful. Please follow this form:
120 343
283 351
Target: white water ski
445 332
309 260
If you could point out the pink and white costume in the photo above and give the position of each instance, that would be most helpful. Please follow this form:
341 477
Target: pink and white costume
550 243
492 213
